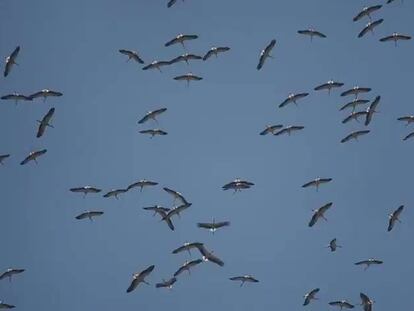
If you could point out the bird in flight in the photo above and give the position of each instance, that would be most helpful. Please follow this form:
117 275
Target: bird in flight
187 247
89 215
9 273
394 217
166 283
180 39
152 115
115 193
132 55
354 103
33 156
11 60
311 33
154 132
244 279
187 266
369 262
45 122
354 135
45 93
157 65
85 190
171 3
293 98
215 51
366 302
141 184
342 304
213 226
176 195
408 119
188 77
356 90
354 115
209 256
370 27
329 86
238 184
157 209
317 182
266 53
4 305
395 37
310 296
289 129
185 58
333 245
367 11
271 129
371 110
138 278
320 213
410 135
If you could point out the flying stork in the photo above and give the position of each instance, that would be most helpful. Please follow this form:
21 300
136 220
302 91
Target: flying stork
408 119
370 27
354 115
329 86
317 182
271 129
238 184
152 115
185 58
208 256
311 33
33 156
115 193
310 296
45 122
354 135
187 247
289 129
213 226
89 215
371 110
157 65
369 262
11 60
16 97
10 272
188 77
132 55
166 283
4 305
394 216
141 184
342 304
154 132
293 98
181 38
319 213
3 157
177 195
366 11
138 278
85 190
215 51
265 53
45 93
366 302
395 37
333 245
187 266
355 91
354 103
157 209
243 279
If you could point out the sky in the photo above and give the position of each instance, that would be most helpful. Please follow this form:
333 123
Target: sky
213 137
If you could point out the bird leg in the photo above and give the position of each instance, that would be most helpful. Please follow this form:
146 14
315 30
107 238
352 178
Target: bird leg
35 160
159 69
188 83
140 190
241 284
324 218
90 217
145 282
10 278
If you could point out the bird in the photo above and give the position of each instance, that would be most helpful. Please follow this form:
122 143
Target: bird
369 262
176 211
33 156
356 90
310 296
408 119
289 129
319 213
238 184
85 190
366 302
208 256
410 135
16 97
4 305
354 103
354 115
3 157
164 217
213 226
10 272
271 129
11 60
215 51
333 245
185 58
366 11
187 247
329 86
166 283
114 193
152 115
370 27
293 98
394 216
371 110
395 37
154 132
342 304
317 182
187 266
45 93
265 53
157 209
89 215
181 38
312 33
244 278
188 77
45 122
157 65
354 135
132 55
177 195
138 278
141 184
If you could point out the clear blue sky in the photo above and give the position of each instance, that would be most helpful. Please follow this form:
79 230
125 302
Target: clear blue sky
213 126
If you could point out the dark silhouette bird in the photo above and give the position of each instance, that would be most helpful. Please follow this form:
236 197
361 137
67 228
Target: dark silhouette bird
154 132
45 122
187 247
185 58
366 302
356 90
238 184
187 266
293 98
354 116
243 279
342 304
266 53
3 157
4 305
311 33
138 278
213 226
289 129
166 283
188 77
114 193
9 273
141 184
371 110
320 213
215 51
16 97
45 94
317 182
85 190
310 296
370 27
394 217
395 37
132 55
354 135
11 61
369 262
157 65
333 245
180 39
354 103
329 86
33 156
271 129
152 115
367 11
89 215
408 119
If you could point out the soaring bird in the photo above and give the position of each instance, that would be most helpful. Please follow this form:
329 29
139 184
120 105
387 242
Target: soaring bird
371 110
342 304
181 38
187 266
408 119
185 58
157 64
154 132
369 262
265 53
3 157
166 283
213 226
4 305
11 60
370 27
132 55
238 184
141 184
188 77
289 129
157 209
317 182
89 215
16 97
215 51
177 195
329 86
45 93
310 296
10 272
356 90
45 122
366 302
311 33
333 245
138 278
243 279
354 135
410 135
354 115
366 11
354 103
152 115
208 256
319 213
394 216
85 190
187 247
114 193
33 156
395 37
271 129
293 98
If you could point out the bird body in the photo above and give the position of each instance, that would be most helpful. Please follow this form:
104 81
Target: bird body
213 226
370 27
114 193
333 245
154 132
209 256
311 33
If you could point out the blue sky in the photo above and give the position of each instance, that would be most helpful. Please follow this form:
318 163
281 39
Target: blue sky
213 126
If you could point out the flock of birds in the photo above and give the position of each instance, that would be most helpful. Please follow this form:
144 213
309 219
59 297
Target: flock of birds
166 214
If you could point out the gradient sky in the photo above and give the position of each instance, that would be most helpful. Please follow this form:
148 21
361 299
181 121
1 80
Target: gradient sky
213 126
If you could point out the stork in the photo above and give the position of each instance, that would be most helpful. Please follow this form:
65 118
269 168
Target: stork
157 209
171 3
238 184
213 226
369 262
187 247
188 77
319 213
366 302
265 53
367 11
408 119
85 190
395 37
331 84
187 266
177 195
4 305
185 58
244 278
89 215
180 39
354 103
114 193
293 98
410 135
157 65
152 115
394 217
45 122
141 184
370 27
317 182
132 55
310 296
10 272
166 283
16 97
139 277
371 110
289 129
208 256
45 93
33 156
311 33
271 129
356 90
354 116
154 132
11 60
342 304
354 135
215 51
333 245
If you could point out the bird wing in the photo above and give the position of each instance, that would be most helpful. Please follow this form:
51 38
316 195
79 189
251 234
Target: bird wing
345 139
147 271
205 225
409 136
324 208
314 219
208 55
222 224
82 216
311 183
171 3
365 30
133 285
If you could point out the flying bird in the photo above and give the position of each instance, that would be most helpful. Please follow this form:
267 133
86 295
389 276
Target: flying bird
394 217
141 184
89 215
410 135
185 58
356 90
213 226
176 211
11 60
3 157
289 129
370 27
329 86
4 305
293 98
354 103
33 156
311 33
354 135
265 53
152 115
188 77
310 296
10 272
366 302
354 115
45 122
187 247
45 94
166 283
371 110
395 37
317 182
408 119
157 209
16 97
369 262
215 51
85 190
342 304
333 245
243 279
367 11
164 217
154 132
187 266
157 65
132 55
319 213
138 278
115 193
177 195
238 184
209 256
181 38
271 129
